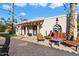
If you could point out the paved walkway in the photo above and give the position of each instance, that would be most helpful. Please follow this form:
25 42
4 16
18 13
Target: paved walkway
24 48
46 43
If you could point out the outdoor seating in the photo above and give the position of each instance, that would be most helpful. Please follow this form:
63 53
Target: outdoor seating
40 37
73 43
5 47
57 38
60 35
50 35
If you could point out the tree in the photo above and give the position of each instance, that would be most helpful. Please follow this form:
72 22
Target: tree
72 17
2 25
2 20
78 23
13 29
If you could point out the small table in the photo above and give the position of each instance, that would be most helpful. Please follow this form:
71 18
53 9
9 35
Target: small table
56 40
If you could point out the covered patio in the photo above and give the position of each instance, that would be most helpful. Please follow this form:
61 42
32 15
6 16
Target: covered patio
29 28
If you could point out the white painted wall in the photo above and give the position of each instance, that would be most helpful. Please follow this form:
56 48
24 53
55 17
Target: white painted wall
50 22
22 31
19 30
31 30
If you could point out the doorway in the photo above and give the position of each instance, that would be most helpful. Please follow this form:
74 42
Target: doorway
34 30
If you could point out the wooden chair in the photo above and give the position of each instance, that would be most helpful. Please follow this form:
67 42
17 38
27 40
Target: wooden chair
73 43
40 37
49 36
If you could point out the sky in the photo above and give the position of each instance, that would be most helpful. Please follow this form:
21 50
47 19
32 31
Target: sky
35 10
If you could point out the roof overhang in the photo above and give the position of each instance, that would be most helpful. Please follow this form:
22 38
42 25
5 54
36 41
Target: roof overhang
31 23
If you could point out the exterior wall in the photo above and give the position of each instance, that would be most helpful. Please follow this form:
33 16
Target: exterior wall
50 22
19 31
22 31
31 31
48 25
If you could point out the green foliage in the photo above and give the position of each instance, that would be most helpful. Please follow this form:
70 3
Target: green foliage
2 27
7 35
5 26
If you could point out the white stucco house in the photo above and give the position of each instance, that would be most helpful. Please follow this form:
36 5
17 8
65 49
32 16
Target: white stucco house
45 25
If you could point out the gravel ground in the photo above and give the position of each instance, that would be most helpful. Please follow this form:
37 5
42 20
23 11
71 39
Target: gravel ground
24 48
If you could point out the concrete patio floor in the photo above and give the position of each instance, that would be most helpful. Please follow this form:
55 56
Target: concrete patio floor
25 47
46 43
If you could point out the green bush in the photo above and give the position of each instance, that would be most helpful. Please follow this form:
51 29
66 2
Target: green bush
30 34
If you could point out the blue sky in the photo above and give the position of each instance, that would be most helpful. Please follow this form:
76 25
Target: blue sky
35 10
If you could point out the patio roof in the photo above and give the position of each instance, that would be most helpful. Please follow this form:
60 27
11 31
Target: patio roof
30 23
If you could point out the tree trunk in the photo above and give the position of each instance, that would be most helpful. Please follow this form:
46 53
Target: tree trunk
13 18
72 18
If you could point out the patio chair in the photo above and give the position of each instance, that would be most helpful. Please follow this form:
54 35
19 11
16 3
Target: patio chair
50 36
73 43
5 47
40 37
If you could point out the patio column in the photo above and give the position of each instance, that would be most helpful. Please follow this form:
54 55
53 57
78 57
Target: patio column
17 31
26 31
38 29
20 30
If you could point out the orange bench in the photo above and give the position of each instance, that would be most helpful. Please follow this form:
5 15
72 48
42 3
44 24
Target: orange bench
61 36
57 38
